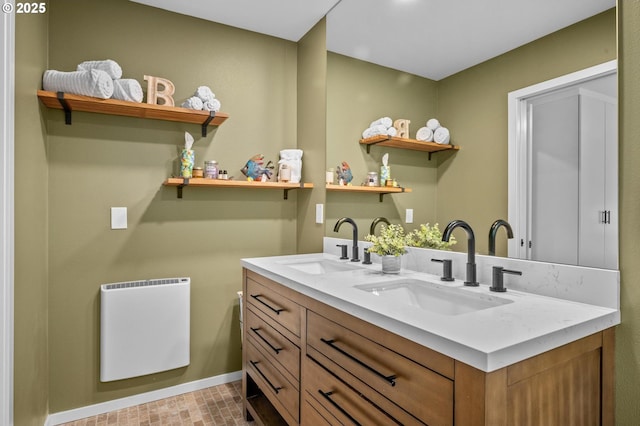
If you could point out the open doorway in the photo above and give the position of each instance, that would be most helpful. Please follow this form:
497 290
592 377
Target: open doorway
563 169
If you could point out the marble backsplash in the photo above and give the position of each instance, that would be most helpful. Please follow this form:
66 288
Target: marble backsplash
600 287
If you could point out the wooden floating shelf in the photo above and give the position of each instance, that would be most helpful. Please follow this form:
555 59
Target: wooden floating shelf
219 183
382 190
413 144
69 103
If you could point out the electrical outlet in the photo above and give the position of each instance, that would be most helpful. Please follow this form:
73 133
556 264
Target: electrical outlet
409 216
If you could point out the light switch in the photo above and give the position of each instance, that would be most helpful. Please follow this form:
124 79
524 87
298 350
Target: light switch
409 216
118 218
319 213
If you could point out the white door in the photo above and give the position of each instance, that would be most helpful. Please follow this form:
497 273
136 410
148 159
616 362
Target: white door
554 179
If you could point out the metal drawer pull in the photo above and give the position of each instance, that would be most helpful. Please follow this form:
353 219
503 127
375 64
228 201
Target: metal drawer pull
255 365
255 330
257 297
389 379
327 396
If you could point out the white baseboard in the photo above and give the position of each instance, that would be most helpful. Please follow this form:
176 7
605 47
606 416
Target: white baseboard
143 398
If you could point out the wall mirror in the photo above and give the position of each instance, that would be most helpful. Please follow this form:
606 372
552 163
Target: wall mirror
563 179
353 100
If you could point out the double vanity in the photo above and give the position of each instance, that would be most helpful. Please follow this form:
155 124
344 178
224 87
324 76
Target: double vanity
329 341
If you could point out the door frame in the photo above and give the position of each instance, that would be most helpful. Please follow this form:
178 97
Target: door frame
7 112
518 155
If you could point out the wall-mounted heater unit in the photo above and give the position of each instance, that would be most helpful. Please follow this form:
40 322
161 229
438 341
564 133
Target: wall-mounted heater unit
144 327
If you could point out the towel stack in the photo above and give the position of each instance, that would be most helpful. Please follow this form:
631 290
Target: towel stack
202 99
100 79
382 126
433 132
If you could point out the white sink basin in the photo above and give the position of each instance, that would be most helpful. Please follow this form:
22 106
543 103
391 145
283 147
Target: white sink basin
433 297
320 266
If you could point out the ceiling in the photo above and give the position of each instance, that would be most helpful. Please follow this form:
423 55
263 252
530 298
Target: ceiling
429 38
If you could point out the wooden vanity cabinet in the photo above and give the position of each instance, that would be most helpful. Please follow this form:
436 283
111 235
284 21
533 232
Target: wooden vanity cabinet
344 370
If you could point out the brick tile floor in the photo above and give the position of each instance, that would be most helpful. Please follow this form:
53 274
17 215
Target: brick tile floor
217 405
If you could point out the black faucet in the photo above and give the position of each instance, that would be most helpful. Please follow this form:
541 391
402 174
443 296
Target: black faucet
355 235
377 220
471 249
494 230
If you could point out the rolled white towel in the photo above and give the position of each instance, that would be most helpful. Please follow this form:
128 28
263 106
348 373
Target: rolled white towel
109 66
94 83
211 105
127 89
392 131
380 129
424 134
433 124
441 135
193 102
374 131
204 93
385 121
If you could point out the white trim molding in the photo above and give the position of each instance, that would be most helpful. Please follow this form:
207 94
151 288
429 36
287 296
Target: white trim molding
518 150
142 398
7 111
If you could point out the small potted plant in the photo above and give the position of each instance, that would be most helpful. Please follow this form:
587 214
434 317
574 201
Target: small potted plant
390 245
429 237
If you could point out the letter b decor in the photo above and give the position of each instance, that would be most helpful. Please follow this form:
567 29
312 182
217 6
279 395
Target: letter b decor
155 94
402 126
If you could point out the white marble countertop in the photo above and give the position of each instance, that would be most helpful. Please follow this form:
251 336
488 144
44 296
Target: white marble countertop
488 339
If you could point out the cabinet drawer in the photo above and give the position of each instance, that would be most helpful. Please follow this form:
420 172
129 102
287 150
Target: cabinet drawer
280 309
357 404
273 384
283 351
313 414
422 392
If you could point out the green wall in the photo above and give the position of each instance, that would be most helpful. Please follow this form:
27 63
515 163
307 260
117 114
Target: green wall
473 185
628 333
358 93
312 82
104 161
31 371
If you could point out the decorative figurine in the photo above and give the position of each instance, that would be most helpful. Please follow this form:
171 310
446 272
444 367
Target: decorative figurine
344 174
254 169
